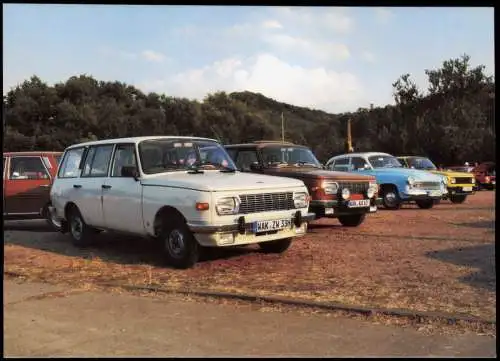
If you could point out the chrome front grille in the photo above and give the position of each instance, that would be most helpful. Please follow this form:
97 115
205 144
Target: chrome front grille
266 202
427 185
355 187
462 180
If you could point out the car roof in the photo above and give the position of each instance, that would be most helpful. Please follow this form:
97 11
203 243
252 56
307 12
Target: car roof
33 152
135 140
359 154
264 144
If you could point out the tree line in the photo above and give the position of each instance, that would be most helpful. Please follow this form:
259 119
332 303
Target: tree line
451 122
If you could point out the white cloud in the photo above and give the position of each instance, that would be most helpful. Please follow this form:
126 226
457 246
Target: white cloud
272 24
312 87
368 56
334 19
383 15
321 50
153 56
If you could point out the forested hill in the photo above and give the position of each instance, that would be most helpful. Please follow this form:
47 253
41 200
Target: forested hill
452 122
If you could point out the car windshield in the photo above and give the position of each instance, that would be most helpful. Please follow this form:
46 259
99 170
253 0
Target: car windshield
298 156
421 163
167 155
384 161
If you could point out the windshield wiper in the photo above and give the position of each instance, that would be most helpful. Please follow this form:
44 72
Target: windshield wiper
221 167
306 163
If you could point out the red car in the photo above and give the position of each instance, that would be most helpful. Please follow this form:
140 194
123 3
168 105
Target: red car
27 177
485 175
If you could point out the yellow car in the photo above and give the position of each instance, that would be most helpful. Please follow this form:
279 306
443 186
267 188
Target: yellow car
459 184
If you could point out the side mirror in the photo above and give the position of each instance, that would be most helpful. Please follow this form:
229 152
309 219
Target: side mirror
255 167
130 172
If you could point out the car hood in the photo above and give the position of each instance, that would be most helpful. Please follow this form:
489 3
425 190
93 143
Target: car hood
416 173
453 174
315 173
214 180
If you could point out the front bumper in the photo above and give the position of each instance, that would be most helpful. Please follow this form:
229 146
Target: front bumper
242 233
422 194
336 208
459 191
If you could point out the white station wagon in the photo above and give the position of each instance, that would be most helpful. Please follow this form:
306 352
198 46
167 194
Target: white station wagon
182 191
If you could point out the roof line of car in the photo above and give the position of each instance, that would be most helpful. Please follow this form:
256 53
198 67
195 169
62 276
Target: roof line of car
135 140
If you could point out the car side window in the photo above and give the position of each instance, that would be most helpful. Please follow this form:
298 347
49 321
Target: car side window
245 158
97 161
358 163
70 166
341 165
124 156
232 153
27 168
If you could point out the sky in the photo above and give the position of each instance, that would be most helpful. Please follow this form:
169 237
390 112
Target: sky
329 58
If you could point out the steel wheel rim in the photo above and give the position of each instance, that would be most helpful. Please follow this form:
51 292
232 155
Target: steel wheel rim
76 227
390 198
175 243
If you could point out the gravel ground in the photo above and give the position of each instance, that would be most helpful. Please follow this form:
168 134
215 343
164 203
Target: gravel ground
441 259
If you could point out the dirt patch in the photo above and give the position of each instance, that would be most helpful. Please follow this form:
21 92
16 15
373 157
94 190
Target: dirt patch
427 260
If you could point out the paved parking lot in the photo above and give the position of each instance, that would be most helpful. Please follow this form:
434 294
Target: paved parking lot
47 320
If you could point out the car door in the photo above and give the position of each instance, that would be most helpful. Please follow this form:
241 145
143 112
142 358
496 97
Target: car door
89 187
122 196
27 186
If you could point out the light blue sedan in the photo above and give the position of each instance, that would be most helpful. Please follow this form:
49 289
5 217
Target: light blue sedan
396 184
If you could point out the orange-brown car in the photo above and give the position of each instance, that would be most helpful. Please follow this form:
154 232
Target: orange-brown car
27 177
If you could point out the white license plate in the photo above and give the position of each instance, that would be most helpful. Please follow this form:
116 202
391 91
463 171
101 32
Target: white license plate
328 210
467 189
359 203
435 194
274 225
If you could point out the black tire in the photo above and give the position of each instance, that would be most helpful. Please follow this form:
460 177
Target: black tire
458 199
425 203
51 221
352 220
390 198
81 234
277 246
181 249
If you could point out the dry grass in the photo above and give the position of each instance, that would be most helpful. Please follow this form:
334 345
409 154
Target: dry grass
428 260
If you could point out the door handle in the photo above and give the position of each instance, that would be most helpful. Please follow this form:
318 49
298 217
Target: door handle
77 186
106 186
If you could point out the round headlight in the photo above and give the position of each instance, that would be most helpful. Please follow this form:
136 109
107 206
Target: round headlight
346 193
370 192
453 180
411 180
473 180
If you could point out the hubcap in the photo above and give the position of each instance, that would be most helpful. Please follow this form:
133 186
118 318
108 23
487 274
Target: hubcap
175 243
76 227
390 198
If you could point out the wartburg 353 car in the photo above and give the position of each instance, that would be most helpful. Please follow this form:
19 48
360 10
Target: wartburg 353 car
27 177
346 196
397 184
182 191
459 184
